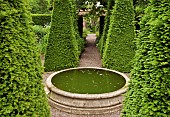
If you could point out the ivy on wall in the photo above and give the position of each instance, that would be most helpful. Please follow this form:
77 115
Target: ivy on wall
149 90
21 90
119 46
62 49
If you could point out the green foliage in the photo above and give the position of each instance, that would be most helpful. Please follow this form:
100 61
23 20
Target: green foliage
41 19
149 90
119 47
42 34
74 17
21 91
92 17
139 6
39 6
62 49
102 40
85 33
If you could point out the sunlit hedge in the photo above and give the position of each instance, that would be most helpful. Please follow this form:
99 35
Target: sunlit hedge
62 49
21 90
119 46
149 90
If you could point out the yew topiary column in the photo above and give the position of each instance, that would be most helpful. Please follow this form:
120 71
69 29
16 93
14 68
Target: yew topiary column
62 49
119 46
21 90
149 89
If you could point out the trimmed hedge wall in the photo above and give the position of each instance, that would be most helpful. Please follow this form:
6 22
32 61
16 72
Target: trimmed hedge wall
21 90
41 19
102 40
149 89
119 47
62 49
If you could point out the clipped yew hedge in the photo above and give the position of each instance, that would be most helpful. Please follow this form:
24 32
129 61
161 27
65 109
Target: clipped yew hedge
21 90
119 47
103 37
149 89
62 49
41 19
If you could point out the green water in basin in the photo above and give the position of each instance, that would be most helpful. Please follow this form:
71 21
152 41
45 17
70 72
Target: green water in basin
88 81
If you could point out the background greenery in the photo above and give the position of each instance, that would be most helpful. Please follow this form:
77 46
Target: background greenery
41 19
93 16
40 6
102 40
42 35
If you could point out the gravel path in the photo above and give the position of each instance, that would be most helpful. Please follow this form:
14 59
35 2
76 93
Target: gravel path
90 57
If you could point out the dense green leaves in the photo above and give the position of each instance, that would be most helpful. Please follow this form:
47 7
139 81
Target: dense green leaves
21 90
62 49
149 90
74 16
103 38
40 6
42 35
41 19
119 46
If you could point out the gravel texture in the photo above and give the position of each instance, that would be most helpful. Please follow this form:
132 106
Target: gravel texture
90 57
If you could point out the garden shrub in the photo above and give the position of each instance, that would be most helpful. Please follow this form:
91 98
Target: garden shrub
149 90
21 90
42 34
74 15
119 47
41 19
62 49
43 44
103 37
39 6
139 6
85 32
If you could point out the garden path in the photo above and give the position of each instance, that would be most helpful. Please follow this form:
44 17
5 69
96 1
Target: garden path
91 56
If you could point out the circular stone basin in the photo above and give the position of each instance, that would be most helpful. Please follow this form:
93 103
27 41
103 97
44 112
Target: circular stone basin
87 91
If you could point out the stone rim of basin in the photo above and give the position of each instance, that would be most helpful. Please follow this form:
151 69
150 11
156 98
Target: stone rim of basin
52 88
